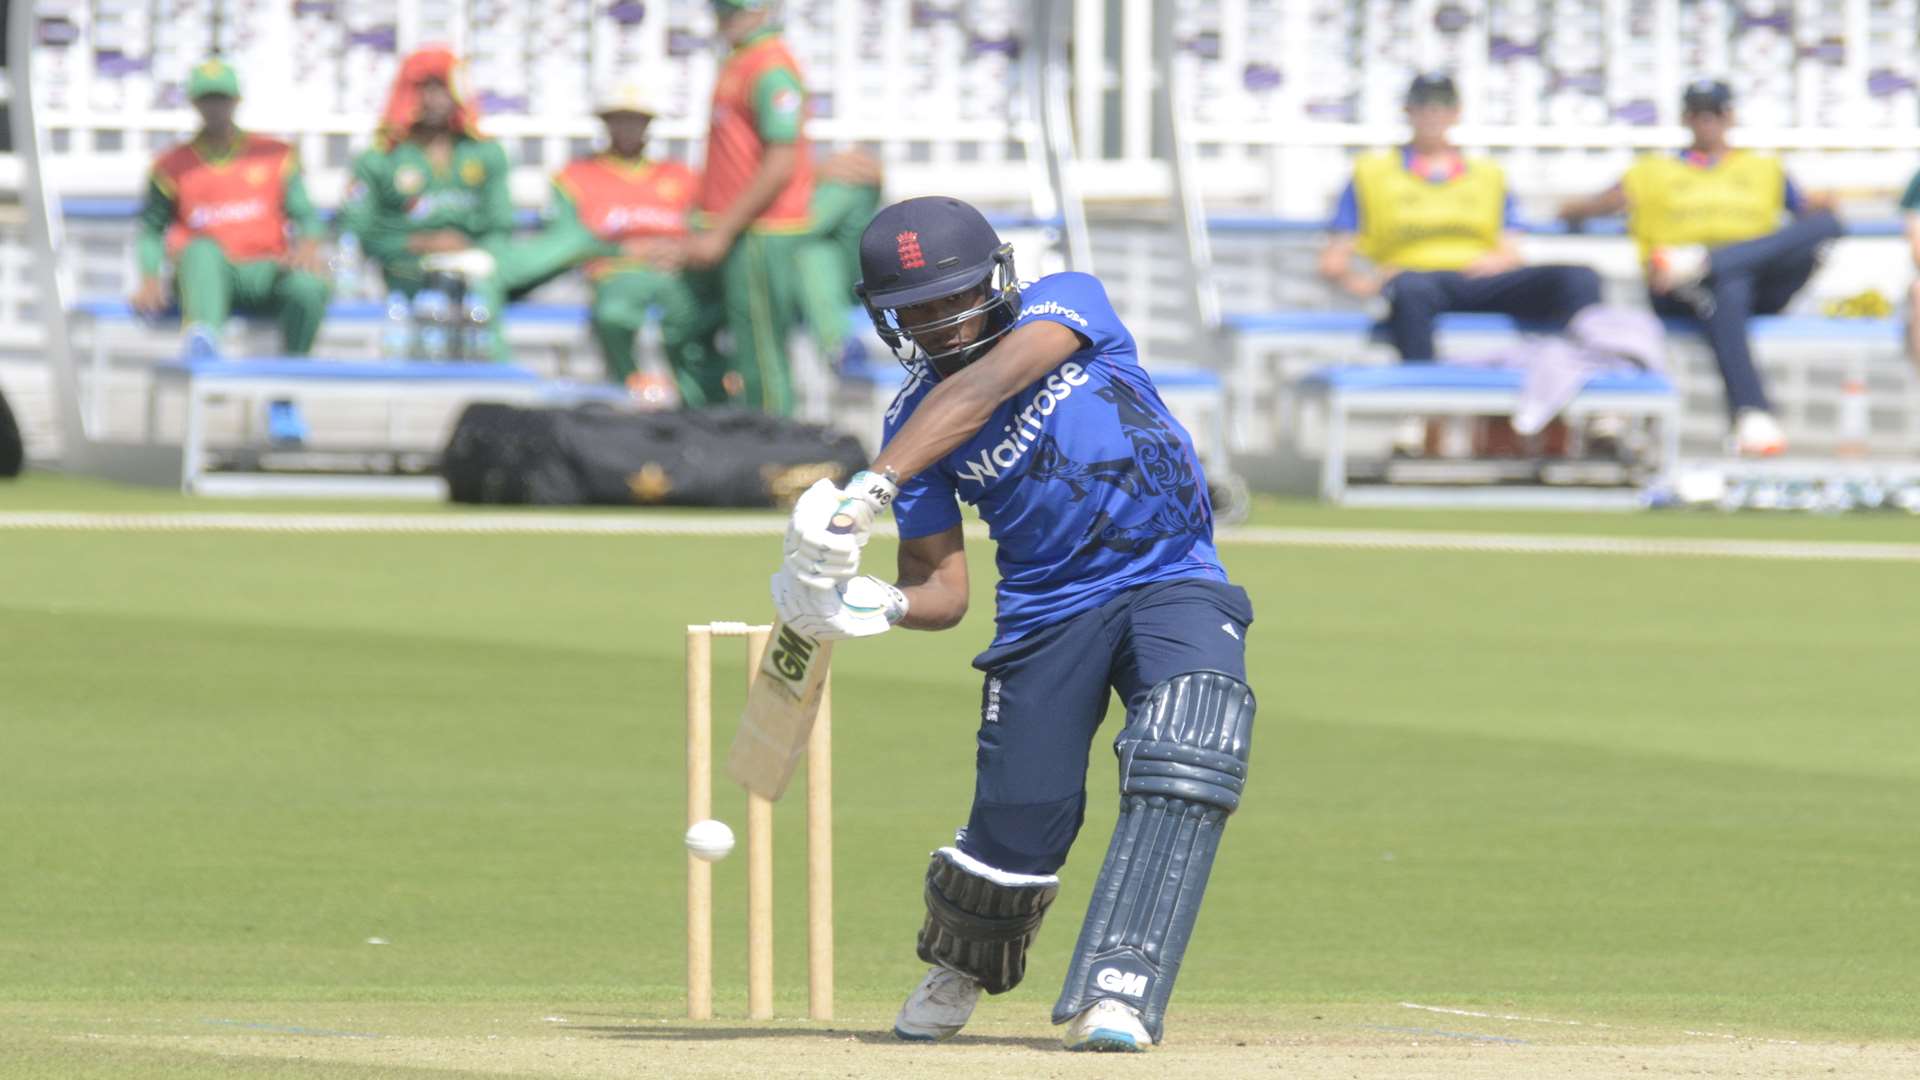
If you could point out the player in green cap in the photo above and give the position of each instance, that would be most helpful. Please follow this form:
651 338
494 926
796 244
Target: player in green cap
432 188
230 210
222 205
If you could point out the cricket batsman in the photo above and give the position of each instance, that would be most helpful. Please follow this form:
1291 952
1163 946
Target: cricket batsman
1029 402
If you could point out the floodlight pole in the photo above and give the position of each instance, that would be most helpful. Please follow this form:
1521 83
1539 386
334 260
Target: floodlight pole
1049 79
1191 215
44 235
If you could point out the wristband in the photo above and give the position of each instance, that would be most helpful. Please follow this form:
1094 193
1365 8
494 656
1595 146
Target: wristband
875 489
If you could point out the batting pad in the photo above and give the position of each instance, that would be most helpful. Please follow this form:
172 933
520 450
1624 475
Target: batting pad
980 919
1183 762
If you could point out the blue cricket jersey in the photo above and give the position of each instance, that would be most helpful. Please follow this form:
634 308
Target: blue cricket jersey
1086 481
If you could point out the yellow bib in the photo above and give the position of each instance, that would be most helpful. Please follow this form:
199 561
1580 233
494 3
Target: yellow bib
1670 202
1410 223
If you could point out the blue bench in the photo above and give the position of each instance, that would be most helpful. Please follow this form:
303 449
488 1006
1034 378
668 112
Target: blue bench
457 383
1255 336
553 323
1348 391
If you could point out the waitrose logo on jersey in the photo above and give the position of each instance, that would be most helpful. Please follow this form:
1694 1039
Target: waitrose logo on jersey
1028 423
1054 307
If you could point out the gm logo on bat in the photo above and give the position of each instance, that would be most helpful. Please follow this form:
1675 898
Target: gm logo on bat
790 655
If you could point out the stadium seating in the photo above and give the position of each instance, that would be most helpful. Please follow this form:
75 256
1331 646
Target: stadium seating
1343 394
1810 361
379 385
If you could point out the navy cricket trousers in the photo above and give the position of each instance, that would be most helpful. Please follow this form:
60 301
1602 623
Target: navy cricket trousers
1753 277
1549 294
1046 693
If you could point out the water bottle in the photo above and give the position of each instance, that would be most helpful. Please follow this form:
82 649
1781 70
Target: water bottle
346 266
396 334
476 328
1855 421
432 316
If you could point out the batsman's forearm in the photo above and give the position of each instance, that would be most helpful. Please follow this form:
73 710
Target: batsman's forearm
930 607
949 416
964 402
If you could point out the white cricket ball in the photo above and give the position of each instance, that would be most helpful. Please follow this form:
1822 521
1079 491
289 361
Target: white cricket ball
709 840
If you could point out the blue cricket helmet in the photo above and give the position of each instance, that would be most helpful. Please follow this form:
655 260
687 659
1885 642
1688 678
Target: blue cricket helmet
927 249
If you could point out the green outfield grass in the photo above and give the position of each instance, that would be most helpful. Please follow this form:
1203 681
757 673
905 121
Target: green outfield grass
1617 790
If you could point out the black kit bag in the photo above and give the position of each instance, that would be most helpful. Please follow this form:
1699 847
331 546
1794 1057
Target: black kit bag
13 451
595 455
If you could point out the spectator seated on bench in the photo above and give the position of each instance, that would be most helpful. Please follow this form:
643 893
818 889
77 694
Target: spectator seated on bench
1707 223
1438 229
230 209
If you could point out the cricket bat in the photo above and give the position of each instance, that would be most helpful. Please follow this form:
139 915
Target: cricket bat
782 702
781 706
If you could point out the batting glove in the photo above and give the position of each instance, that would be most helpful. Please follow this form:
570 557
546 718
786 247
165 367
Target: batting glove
863 607
796 597
830 526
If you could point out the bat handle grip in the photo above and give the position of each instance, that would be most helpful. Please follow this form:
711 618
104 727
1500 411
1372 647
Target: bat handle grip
841 524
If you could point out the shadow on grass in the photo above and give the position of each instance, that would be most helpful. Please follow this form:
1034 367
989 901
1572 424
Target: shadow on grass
709 1033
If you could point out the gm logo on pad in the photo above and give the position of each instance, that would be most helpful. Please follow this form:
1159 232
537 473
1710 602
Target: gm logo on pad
1121 982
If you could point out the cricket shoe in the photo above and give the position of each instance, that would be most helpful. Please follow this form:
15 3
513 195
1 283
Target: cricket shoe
938 1008
200 343
1757 434
1107 1026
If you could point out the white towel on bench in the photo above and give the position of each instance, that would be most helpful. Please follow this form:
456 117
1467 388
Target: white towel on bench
1600 340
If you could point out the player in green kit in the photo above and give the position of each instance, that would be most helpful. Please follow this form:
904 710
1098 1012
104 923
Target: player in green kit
620 216
432 186
782 238
230 210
